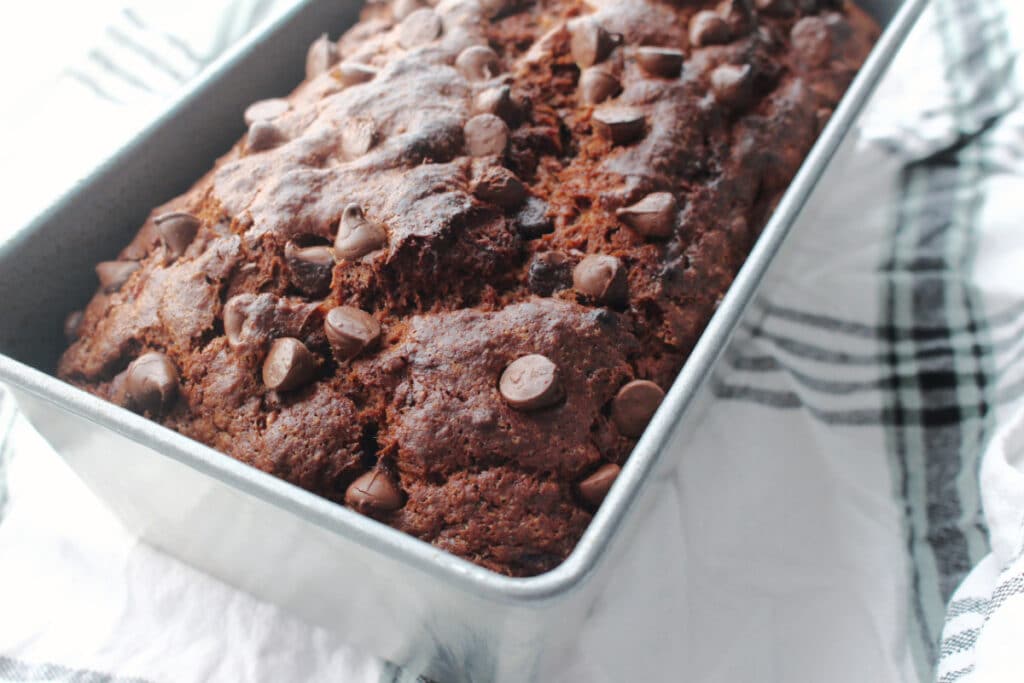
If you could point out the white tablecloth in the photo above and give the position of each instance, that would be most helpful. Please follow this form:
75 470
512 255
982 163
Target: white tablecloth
823 544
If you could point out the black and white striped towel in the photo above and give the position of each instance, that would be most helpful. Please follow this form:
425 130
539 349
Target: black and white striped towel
821 520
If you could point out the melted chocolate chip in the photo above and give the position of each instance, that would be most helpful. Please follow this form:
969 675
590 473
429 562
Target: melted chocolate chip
601 278
373 492
733 85
621 125
635 405
485 134
234 318
500 186
266 110
594 488
311 268
152 383
533 221
118 390
708 27
177 230
419 28
72 325
478 63
322 55
289 365
549 272
113 274
350 331
660 61
251 320
353 73
263 135
597 84
590 43
652 216
497 101
531 383
357 236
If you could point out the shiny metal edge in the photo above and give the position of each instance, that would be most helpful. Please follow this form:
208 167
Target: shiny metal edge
650 449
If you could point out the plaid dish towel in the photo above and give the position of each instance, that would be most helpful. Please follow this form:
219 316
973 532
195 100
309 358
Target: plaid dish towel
881 367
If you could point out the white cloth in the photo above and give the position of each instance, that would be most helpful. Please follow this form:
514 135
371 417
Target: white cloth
778 553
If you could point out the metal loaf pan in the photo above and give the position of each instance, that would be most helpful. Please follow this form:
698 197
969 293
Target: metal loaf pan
389 593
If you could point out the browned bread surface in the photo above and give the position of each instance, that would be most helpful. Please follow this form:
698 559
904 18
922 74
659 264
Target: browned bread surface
445 281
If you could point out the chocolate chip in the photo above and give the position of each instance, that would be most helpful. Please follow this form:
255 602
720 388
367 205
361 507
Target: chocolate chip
777 8
485 134
319 257
403 8
358 136
732 84
597 84
311 268
531 383
235 314
497 101
152 382
602 278
708 27
353 73
660 61
113 274
419 28
373 492
590 43
594 488
652 216
357 236
117 392
533 221
72 325
322 55
263 135
177 230
812 41
634 406
349 331
478 63
266 110
549 272
289 365
500 186
621 125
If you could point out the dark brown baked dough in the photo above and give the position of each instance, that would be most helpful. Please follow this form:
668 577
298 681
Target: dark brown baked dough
447 169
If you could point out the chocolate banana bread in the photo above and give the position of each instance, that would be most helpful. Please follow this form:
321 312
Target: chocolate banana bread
446 281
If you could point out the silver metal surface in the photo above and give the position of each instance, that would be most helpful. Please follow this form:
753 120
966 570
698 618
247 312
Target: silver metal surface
387 592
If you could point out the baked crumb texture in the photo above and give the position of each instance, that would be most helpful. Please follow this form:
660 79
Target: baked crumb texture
445 281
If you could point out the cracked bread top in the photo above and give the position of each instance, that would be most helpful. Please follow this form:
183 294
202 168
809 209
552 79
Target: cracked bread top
446 280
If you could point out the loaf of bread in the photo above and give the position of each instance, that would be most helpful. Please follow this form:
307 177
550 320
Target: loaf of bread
447 280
